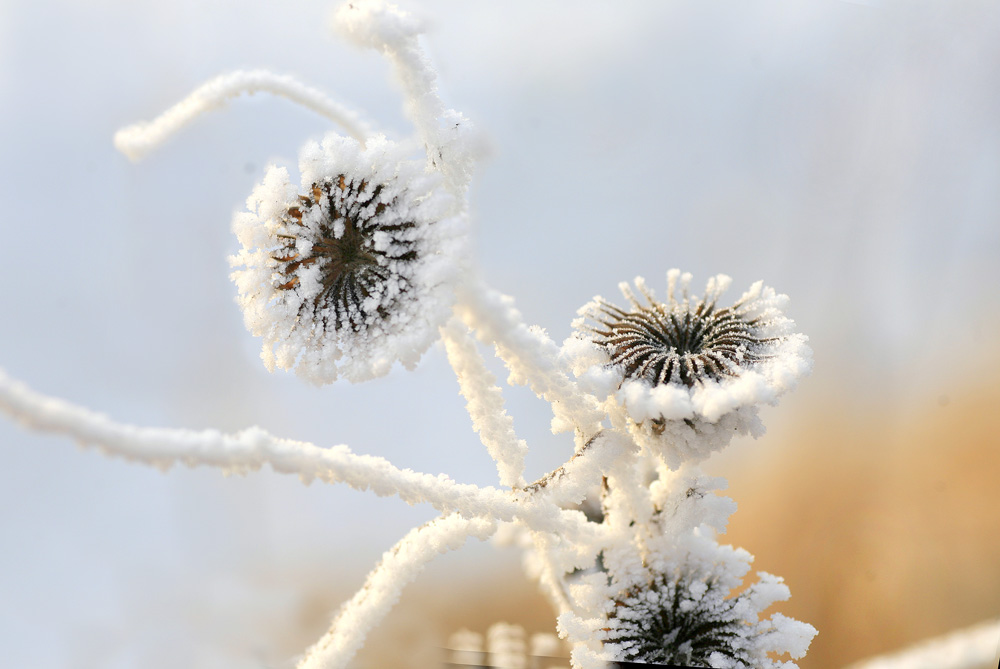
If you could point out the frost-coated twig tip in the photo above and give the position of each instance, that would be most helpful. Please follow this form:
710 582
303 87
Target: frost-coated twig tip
376 24
485 405
139 139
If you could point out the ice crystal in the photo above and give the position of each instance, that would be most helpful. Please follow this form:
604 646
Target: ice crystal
358 269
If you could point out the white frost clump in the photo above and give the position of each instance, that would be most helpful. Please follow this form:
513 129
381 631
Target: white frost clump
372 24
684 375
662 594
357 272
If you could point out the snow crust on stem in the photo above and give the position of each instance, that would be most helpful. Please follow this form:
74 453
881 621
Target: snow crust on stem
570 483
446 133
250 449
398 567
531 356
550 578
139 139
627 502
484 401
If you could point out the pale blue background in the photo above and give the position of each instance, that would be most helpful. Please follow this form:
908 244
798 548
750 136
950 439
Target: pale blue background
846 153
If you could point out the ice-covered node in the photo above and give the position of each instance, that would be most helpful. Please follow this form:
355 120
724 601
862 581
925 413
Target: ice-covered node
355 271
687 372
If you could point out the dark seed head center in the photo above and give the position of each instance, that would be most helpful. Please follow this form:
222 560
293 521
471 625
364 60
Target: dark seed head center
352 268
346 254
677 343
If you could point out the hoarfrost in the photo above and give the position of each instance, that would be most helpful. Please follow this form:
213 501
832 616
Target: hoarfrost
690 374
363 265
356 274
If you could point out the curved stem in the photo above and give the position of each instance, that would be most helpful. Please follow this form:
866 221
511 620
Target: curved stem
136 140
531 356
484 401
250 449
627 504
398 567
446 134
571 482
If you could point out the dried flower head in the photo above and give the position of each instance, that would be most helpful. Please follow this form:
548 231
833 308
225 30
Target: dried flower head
684 342
358 268
688 372
669 597
686 617
661 588
334 228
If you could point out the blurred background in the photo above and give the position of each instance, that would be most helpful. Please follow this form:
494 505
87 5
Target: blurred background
847 153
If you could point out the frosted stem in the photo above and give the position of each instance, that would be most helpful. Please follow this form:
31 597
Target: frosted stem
395 33
570 483
398 567
531 356
549 576
250 449
970 648
628 507
414 72
484 401
135 141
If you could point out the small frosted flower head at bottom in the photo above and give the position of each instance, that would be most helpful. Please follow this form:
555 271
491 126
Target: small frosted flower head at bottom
685 616
356 273
687 373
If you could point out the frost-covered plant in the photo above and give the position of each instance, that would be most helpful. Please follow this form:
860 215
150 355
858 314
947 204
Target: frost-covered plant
674 605
358 269
364 264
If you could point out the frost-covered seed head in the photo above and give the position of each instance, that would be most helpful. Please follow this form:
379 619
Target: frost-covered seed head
679 341
354 270
670 600
678 620
685 375
341 245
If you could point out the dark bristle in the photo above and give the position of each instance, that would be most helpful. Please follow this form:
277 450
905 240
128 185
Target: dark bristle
686 343
352 268
658 629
